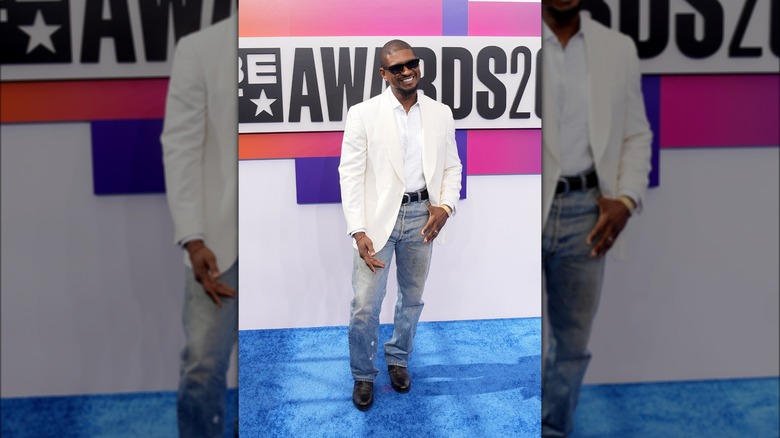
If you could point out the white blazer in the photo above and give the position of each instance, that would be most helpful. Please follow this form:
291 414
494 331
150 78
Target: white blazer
200 140
372 165
620 135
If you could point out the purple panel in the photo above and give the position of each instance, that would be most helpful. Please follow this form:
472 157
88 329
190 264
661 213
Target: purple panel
460 137
651 88
127 157
317 180
455 17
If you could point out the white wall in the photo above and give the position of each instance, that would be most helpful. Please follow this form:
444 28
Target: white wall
296 261
697 296
92 287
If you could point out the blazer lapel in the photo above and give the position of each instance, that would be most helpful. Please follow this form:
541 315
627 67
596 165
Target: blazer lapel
550 138
429 130
599 77
390 132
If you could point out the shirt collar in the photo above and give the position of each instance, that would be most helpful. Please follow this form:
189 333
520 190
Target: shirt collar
396 103
549 35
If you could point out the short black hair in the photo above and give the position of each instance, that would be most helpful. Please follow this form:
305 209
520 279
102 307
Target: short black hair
392 46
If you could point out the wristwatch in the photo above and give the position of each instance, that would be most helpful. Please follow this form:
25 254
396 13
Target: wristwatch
628 202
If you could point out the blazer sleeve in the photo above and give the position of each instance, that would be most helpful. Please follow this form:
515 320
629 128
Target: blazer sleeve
352 170
451 179
183 141
637 136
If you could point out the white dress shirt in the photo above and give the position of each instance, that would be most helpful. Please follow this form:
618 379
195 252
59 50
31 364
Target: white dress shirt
410 133
567 70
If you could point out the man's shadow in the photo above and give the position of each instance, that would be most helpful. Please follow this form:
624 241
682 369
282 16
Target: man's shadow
480 378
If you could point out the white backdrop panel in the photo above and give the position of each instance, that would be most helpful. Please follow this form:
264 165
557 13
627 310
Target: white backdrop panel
296 260
92 287
697 296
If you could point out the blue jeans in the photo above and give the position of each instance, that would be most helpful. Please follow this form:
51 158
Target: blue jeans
210 333
413 258
573 282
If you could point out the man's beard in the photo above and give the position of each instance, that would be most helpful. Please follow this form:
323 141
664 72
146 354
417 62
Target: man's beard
407 91
562 17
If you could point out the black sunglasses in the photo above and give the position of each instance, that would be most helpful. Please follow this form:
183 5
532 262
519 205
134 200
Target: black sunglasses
399 68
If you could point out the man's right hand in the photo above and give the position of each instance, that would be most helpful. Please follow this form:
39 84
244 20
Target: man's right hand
366 251
204 266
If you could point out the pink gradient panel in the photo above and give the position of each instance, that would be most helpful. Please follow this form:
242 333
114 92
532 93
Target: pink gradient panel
720 111
505 19
289 145
82 100
504 152
341 18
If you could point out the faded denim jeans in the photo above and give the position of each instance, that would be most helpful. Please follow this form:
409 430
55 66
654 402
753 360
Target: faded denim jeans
413 259
573 282
210 333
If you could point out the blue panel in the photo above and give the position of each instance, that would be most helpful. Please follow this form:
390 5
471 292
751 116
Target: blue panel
127 157
651 88
317 180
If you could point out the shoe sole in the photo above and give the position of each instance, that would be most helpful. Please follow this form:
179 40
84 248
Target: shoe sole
399 389
364 408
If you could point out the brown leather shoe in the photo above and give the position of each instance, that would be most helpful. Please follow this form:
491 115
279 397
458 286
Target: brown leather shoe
363 395
399 378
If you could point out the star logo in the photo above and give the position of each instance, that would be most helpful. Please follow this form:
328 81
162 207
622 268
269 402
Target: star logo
263 104
35 32
260 99
40 33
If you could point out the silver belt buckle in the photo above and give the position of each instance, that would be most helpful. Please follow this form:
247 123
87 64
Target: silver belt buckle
406 199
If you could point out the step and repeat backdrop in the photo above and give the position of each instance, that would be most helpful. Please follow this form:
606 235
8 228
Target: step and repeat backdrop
82 95
302 64
90 273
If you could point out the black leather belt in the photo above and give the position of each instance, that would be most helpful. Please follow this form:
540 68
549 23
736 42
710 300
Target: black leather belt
577 183
422 195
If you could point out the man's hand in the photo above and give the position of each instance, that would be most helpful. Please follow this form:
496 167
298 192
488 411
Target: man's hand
366 251
204 266
438 217
613 215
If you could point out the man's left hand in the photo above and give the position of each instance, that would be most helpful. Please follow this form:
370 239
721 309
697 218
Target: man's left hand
613 216
438 217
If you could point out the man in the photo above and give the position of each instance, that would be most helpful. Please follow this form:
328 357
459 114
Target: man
596 158
200 153
400 182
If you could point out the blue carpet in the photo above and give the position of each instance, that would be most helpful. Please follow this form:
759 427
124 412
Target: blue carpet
143 414
469 379
739 408
308 395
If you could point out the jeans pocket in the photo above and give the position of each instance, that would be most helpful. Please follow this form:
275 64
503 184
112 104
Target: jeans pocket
594 194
